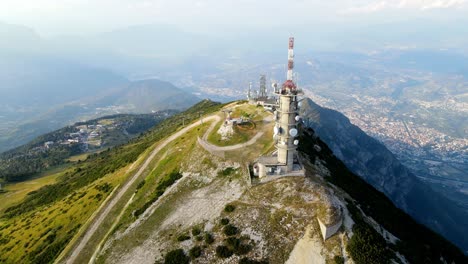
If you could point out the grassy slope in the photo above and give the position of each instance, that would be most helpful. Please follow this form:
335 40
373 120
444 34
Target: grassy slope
53 214
32 235
16 192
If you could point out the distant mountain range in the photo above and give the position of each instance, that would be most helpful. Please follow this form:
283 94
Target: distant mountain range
145 96
371 160
58 103
48 83
38 81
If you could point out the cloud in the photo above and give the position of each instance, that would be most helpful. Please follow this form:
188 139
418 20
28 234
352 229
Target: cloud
421 5
444 4
368 8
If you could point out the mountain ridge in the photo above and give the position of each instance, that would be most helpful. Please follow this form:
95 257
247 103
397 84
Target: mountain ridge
369 159
190 188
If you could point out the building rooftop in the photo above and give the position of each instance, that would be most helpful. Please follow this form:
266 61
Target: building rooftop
268 160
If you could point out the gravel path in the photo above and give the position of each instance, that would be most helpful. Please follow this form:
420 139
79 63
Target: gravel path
211 148
308 250
106 210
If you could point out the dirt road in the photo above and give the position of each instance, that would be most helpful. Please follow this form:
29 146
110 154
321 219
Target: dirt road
106 209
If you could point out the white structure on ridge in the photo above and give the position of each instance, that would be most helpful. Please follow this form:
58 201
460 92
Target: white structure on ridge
285 162
287 116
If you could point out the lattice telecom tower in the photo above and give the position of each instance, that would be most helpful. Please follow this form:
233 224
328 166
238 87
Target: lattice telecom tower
263 90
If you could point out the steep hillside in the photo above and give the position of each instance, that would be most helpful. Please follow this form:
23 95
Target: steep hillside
372 161
202 206
212 213
167 197
376 212
54 214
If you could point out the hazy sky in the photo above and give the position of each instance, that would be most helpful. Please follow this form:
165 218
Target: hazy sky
50 17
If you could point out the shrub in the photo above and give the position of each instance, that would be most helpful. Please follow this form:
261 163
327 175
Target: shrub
195 252
243 249
209 238
230 230
183 237
176 256
229 208
236 245
233 242
140 185
227 171
224 221
251 261
366 246
223 252
196 231
338 260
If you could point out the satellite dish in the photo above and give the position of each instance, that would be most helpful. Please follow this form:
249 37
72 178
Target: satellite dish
296 142
275 130
293 132
299 104
297 118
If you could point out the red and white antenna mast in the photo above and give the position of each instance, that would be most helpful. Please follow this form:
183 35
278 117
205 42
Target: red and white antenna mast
289 85
290 59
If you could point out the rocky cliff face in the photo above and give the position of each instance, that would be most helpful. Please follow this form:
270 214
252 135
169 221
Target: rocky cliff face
372 161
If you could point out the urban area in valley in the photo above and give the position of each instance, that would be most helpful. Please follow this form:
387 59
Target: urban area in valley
433 155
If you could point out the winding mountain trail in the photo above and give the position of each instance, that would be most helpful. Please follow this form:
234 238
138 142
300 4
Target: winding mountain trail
101 216
211 148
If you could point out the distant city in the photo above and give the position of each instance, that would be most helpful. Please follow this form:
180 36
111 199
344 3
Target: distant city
432 155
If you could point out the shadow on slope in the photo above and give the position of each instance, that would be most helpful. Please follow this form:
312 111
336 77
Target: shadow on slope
372 161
